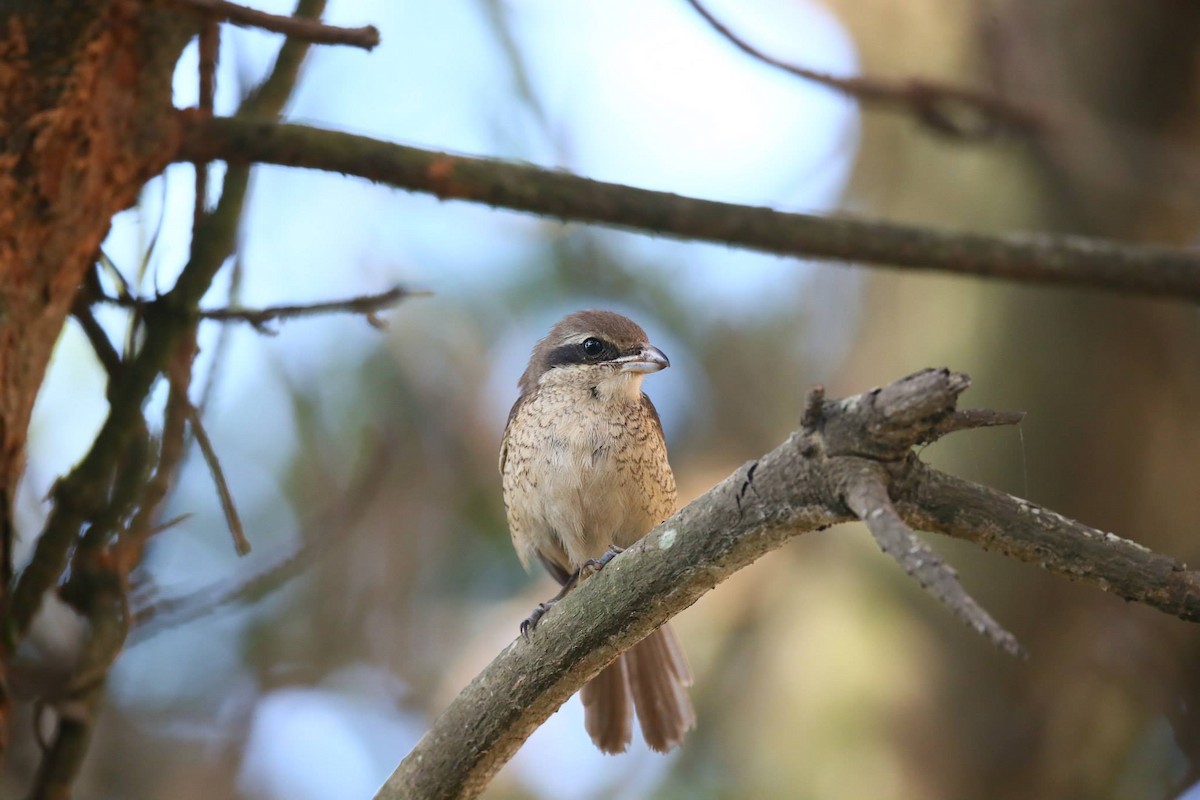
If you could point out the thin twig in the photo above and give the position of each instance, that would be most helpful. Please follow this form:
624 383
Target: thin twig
319 534
240 543
366 37
224 337
1025 258
106 263
171 450
938 105
366 305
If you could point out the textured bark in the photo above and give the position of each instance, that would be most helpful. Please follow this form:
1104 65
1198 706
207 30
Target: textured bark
85 120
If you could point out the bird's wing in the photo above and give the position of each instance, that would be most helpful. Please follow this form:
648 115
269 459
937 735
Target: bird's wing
649 407
508 425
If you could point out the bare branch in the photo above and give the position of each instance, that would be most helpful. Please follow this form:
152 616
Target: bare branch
315 32
868 498
93 503
240 543
949 110
367 305
796 488
1040 259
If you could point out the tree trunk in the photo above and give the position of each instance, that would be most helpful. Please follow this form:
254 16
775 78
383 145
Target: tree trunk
85 121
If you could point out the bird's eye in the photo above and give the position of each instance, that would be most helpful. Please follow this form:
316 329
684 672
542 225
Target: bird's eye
593 347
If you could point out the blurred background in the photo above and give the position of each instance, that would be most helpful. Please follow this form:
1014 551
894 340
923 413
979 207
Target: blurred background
367 461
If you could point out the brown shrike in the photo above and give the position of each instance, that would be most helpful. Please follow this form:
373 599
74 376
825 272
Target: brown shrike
585 474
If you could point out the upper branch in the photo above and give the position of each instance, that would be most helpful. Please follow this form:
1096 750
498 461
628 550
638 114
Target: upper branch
811 481
1062 260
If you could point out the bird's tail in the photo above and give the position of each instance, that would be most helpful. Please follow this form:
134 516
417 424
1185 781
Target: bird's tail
653 678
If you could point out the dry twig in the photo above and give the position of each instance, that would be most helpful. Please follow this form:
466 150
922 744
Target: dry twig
234 522
367 305
295 27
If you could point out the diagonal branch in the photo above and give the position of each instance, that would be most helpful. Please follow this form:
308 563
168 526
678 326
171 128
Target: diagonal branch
799 487
940 106
233 520
1040 259
868 498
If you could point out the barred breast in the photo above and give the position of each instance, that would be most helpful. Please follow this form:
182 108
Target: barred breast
580 475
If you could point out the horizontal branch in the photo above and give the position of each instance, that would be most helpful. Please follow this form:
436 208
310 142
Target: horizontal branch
803 485
1040 259
307 30
950 110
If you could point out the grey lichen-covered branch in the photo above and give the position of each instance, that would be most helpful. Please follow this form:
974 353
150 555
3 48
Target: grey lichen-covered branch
1039 259
850 458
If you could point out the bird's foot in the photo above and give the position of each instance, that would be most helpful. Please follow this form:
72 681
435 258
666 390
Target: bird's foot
532 620
535 617
594 565
586 570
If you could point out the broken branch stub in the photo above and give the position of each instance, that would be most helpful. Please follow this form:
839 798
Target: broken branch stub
868 441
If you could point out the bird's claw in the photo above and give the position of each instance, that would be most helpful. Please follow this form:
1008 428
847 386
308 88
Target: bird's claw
532 620
594 565
586 570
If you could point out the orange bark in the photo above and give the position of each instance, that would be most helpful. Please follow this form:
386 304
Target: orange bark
85 121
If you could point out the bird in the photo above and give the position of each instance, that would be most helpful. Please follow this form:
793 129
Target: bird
585 474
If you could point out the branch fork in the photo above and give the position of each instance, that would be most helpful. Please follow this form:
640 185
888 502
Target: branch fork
913 411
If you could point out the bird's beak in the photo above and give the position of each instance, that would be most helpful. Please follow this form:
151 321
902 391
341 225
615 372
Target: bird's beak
648 359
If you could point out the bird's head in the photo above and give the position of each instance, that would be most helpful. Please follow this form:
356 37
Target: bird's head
601 351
